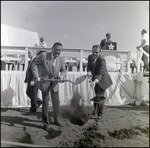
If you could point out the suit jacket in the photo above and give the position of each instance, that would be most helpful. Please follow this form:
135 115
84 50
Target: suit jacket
42 67
103 44
99 72
29 77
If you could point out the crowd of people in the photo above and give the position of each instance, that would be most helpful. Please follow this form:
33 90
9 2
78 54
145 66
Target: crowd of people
51 65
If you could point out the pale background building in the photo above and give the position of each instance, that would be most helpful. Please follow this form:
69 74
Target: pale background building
12 36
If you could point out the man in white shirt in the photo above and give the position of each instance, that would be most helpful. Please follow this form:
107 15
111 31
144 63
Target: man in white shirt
145 46
43 44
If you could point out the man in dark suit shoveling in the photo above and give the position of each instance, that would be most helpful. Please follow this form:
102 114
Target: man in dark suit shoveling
100 78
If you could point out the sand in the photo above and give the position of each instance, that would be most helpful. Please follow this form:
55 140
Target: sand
122 126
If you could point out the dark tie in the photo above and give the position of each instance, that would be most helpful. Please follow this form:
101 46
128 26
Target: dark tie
29 64
93 64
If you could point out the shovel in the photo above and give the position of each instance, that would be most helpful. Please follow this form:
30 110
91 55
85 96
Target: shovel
78 80
81 79
96 99
56 80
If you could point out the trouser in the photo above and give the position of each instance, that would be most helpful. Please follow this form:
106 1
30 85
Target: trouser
145 58
32 93
55 103
99 106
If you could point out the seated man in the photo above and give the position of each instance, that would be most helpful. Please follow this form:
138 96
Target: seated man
42 42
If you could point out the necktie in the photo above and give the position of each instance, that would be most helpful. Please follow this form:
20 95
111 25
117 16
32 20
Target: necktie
29 64
93 64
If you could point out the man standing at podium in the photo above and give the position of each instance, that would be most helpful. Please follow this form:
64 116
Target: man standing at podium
100 78
49 64
104 41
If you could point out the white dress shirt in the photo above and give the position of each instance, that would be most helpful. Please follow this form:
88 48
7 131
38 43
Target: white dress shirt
145 37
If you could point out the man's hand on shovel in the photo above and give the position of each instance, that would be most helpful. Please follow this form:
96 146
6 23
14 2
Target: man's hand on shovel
93 83
61 78
38 79
89 74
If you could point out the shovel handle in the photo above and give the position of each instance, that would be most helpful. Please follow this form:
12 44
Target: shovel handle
57 80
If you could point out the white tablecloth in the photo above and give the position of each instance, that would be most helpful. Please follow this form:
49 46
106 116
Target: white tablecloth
13 89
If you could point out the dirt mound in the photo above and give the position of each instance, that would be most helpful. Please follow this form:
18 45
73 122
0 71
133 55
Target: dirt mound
92 126
90 137
143 130
123 133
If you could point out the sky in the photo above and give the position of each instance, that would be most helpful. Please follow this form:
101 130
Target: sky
80 24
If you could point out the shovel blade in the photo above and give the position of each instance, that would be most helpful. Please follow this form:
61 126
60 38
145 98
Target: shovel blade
80 79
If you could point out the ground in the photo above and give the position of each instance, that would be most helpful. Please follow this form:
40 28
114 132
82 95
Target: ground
122 126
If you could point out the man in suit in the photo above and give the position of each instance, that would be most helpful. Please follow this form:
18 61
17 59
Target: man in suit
100 77
103 42
50 64
32 89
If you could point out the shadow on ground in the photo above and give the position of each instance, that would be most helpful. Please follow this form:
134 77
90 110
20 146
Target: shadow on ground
131 107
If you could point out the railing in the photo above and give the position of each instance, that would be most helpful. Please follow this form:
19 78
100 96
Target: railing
73 53
140 52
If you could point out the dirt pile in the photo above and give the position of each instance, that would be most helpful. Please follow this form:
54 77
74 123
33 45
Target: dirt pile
128 133
89 137
123 133
143 130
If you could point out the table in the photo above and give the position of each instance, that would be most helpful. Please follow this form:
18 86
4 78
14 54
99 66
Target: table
8 59
13 89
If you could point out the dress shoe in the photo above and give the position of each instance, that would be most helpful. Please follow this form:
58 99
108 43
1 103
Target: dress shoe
97 120
39 104
57 123
48 128
93 112
100 116
32 110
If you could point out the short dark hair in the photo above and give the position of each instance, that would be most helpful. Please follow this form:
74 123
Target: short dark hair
58 44
96 46
144 31
107 34
42 38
